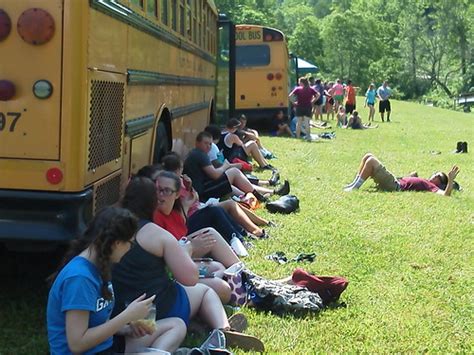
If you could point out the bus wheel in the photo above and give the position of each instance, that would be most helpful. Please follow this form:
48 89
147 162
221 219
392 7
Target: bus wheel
161 143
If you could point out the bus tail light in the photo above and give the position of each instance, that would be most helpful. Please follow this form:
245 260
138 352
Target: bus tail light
54 176
35 26
274 88
5 25
278 76
7 90
270 76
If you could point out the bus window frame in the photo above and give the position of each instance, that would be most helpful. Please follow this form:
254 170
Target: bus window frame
253 64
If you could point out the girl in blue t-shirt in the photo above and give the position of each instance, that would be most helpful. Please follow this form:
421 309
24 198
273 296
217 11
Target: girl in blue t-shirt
370 96
81 298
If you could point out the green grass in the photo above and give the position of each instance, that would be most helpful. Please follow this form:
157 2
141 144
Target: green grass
408 256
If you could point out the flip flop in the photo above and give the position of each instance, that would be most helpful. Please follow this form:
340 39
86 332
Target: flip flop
243 341
278 257
238 322
304 257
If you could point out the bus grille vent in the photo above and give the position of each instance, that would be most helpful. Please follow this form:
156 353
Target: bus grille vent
106 122
107 193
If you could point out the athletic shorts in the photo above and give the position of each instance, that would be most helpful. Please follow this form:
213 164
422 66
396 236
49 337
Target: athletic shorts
216 188
350 108
339 98
385 180
180 308
384 106
370 103
304 111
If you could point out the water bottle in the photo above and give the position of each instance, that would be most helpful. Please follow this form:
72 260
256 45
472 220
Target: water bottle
237 246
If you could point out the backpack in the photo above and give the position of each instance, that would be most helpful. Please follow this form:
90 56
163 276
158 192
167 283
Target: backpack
285 204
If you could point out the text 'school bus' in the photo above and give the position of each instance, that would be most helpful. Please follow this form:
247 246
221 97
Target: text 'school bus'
90 91
261 72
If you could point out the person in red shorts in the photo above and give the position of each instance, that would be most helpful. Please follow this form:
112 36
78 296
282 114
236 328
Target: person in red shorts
370 166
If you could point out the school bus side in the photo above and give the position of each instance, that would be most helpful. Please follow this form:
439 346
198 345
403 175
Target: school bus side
70 153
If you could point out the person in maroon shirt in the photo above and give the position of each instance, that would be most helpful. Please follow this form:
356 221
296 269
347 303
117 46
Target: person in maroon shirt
303 97
370 166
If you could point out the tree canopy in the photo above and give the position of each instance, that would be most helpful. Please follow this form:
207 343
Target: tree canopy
424 48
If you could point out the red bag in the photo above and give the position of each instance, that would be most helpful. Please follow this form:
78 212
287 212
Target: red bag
246 166
329 288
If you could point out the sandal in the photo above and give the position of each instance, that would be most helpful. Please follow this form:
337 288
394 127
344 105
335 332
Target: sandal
304 257
238 322
243 341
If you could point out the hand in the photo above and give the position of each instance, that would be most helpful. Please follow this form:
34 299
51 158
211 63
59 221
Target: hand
187 182
237 165
139 329
453 173
139 308
203 242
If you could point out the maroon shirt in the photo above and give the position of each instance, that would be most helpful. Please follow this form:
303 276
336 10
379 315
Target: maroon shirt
416 184
304 95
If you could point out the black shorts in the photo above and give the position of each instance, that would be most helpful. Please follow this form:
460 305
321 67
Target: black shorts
304 111
384 106
350 108
216 188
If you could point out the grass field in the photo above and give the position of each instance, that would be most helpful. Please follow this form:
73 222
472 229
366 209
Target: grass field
408 256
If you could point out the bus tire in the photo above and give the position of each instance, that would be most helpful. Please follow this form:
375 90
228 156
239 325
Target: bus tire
162 143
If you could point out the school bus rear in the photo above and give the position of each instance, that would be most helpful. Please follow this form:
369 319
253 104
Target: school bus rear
52 156
261 72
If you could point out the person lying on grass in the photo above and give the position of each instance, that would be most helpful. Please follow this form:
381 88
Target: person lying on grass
370 166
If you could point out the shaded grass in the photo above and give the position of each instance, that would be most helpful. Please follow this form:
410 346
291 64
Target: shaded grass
408 256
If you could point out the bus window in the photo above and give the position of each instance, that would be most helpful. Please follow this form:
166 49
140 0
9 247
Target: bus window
164 12
138 3
151 8
174 15
252 56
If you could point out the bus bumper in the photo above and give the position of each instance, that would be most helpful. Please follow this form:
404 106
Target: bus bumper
43 216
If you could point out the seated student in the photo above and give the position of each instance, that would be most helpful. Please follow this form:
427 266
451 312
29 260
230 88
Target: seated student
215 155
146 266
233 147
216 216
355 122
247 134
170 214
211 182
280 125
81 298
370 166
341 116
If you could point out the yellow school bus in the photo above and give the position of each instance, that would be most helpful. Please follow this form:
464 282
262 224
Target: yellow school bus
261 72
90 91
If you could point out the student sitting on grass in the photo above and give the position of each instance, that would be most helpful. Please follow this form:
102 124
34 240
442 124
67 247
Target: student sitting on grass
370 166
156 255
355 122
81 298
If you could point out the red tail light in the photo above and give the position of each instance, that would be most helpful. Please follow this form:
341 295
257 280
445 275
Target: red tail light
5 25
35 26
270 76
54 176
7 90
278 76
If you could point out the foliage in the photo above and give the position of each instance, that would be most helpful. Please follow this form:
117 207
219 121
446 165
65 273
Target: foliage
421 47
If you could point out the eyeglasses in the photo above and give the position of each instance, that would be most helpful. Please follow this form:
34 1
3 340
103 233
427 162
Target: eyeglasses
165 191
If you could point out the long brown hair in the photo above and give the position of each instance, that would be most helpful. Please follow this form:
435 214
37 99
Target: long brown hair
110 225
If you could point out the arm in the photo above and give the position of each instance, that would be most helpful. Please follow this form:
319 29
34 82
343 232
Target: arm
449 187
216 173
80 338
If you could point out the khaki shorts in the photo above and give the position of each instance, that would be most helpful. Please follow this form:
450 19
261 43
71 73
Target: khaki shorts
385 180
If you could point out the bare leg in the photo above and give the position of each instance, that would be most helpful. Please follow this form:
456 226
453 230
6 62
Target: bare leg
205 302
362 162
240 217
220 251
169 334
251 148
299 121
219 286
239 180
259 221
388 116
369 167
308 127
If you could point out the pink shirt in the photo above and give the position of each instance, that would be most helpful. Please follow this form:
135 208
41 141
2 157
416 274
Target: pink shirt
338 89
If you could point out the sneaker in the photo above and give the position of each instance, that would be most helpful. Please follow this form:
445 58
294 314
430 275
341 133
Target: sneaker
243 341
275 178
284 189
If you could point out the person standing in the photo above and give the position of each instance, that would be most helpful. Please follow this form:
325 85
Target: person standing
383 93
305 96
318 104
350 92
370 96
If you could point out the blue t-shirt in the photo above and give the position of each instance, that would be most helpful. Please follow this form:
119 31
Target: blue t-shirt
370 94
384 93
77 287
